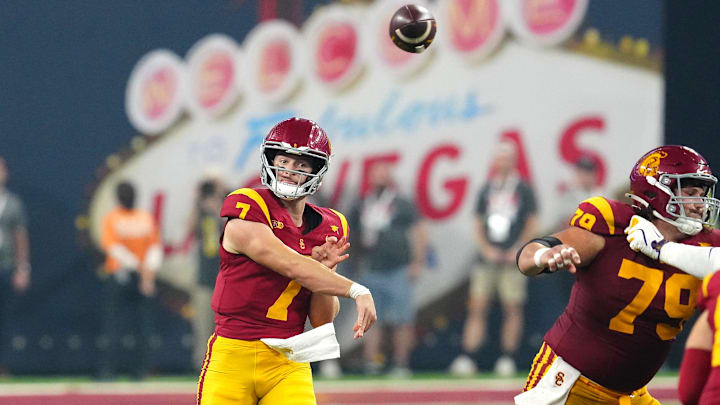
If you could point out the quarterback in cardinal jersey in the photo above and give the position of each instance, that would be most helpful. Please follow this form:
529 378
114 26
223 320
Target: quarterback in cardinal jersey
625 307
278 261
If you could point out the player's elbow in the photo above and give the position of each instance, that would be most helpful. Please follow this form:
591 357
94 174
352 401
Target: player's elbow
323 309
321 319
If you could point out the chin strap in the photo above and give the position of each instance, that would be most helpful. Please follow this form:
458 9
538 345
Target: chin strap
684 225
284 190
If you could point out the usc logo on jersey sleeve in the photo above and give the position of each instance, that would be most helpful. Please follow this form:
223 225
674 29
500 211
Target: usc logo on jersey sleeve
602 216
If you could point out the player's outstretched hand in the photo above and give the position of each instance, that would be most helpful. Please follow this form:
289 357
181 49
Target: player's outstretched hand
366 314
644 237
559 257
332 251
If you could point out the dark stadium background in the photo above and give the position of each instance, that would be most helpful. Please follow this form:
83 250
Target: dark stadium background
63 72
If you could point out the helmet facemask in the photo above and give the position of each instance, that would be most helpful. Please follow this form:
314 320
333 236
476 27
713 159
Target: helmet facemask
313 180
711 205
672 185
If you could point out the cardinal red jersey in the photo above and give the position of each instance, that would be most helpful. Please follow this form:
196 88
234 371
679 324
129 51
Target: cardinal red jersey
708 299
625 309
251 301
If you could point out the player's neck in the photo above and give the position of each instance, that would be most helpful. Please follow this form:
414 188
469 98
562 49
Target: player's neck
669 231
295 208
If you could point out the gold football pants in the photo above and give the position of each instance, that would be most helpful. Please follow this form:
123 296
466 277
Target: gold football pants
241 372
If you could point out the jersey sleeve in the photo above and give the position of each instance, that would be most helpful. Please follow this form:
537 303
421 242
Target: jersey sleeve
709 289
246 204
602 216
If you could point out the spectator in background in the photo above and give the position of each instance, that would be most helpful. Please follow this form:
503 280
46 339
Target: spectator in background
505 217
581 186
14 252
207 225
391 243
133 249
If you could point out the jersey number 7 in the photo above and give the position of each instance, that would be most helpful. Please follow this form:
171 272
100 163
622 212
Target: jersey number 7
279 309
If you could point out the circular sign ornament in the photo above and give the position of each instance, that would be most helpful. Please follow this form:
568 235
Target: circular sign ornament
471 28
545 22
273 61
334 45
212 71
155 92
385 55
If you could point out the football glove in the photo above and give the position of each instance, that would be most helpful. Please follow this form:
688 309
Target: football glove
644 237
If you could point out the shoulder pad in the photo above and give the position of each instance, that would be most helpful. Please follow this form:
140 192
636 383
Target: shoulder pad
602 216
343 222
247 204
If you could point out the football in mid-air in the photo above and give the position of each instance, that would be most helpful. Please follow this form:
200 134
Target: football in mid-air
412 28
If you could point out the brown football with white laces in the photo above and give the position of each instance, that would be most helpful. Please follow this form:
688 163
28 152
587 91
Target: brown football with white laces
412 28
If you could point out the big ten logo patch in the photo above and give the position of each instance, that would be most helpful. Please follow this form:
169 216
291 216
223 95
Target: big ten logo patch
277 224
559 378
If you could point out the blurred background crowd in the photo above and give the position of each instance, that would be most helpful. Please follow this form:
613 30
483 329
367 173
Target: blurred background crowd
445 164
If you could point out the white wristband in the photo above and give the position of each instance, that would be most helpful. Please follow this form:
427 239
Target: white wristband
537 255
357 290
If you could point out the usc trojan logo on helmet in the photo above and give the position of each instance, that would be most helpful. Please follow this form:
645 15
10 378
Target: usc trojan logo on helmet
649 166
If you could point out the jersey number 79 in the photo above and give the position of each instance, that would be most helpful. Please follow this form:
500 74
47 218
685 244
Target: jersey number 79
652 282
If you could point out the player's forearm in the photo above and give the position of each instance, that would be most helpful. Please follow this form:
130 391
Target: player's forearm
698 261
310 273
257 242
153 258
323 309
124 256
318 278
526 260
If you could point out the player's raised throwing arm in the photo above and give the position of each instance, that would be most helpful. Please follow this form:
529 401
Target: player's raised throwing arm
568 249
257 241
